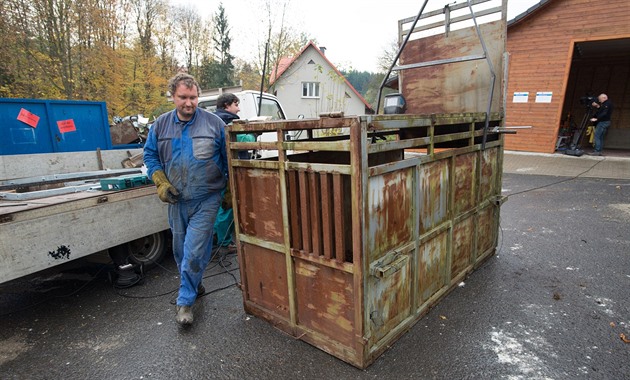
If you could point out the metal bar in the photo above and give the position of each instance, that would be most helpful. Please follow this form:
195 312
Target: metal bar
315 203
343 266
358 195
48 193
400 144
339 206
438 12
294 210
288 260
305 219
448 22
327 215
341 145
440 62
57 178
320 168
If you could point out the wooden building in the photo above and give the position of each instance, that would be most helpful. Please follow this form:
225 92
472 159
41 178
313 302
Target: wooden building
561 51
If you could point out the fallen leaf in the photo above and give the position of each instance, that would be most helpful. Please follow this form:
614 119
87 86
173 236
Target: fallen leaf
623 338
443 317
612 324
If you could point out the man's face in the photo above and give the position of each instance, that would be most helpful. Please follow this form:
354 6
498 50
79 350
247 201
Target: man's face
185 100
602 98
234 108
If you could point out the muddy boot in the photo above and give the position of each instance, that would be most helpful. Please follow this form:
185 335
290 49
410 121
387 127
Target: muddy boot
201 290
184 315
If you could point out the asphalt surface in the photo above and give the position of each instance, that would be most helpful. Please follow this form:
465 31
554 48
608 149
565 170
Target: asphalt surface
551 304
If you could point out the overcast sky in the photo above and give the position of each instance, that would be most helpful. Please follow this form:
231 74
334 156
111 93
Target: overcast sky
354 32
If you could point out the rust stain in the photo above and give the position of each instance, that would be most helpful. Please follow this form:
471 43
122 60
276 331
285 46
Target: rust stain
391 212
431 266
434 194
462 246
465 174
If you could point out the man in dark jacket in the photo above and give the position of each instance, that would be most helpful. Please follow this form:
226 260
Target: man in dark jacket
602 117
227 109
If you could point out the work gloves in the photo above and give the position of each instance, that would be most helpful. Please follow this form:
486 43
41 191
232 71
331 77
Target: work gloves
226 202
166 191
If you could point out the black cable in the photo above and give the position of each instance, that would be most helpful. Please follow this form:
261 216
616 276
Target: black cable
558 182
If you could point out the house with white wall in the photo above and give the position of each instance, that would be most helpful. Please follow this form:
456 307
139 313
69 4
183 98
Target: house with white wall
309 84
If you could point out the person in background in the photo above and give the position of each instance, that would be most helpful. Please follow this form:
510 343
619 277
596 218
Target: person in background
602 117
186 159
227 109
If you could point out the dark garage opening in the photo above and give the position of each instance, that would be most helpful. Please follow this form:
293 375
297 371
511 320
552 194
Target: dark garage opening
600 67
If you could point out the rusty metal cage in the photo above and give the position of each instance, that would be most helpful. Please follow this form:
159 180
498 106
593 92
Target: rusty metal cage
346 241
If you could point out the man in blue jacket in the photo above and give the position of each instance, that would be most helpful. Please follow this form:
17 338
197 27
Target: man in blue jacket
186 159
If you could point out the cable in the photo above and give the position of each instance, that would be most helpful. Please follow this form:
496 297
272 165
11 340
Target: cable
558 182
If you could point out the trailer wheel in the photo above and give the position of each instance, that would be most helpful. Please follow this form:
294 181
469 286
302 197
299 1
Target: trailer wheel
148 250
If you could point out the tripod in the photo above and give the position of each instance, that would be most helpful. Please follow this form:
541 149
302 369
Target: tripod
575 148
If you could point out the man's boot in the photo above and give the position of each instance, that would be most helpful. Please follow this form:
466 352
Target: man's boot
184 315
201 290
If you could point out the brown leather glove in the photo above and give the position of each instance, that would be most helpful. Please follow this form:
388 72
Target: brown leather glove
226 202
165 190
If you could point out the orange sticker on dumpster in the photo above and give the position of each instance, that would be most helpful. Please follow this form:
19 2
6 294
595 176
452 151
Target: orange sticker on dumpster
28 118
66 126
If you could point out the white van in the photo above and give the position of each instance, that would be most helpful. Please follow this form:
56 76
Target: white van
270 109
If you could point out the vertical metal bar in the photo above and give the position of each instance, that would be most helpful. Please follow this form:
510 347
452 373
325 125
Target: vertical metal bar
315 204
358 186
294 212
288 259
339 206
305 217
327 215
236 217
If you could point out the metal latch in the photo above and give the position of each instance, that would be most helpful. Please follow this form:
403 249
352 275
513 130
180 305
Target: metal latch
382 270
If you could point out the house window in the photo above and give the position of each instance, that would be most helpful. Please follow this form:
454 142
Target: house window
310 89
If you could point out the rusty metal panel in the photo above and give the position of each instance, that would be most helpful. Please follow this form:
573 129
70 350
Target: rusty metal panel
456 87
432 262
486 231
390 212
265 271
434 180
465 183
389 297
325 299
489 173
463 236
258 202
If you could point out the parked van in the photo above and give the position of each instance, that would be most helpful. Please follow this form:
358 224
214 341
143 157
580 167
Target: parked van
270 108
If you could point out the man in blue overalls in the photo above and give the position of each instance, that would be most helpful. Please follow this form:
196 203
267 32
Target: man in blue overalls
186 159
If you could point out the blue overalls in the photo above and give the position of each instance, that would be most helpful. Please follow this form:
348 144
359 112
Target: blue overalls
193 156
